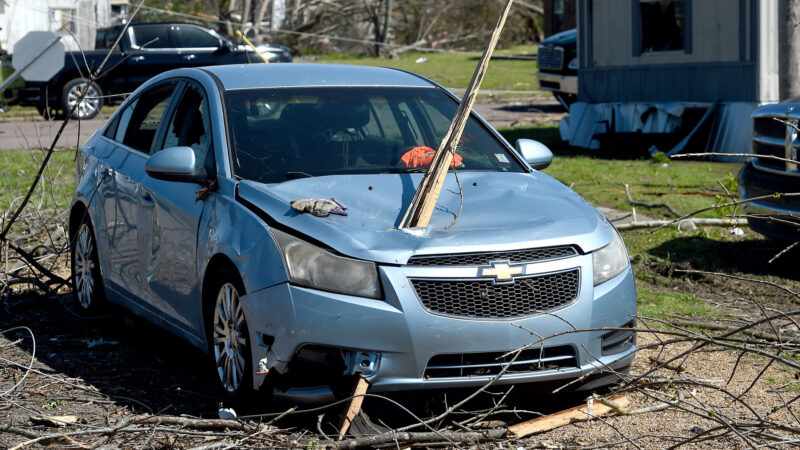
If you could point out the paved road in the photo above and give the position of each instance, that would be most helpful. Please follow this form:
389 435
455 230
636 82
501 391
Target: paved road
21 134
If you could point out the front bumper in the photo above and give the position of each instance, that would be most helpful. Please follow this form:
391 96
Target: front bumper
759 182
406 336
556 82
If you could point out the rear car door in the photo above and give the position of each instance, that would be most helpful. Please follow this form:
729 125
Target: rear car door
152 52
134 131
168 223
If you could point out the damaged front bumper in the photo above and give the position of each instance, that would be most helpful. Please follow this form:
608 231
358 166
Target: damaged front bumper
397 344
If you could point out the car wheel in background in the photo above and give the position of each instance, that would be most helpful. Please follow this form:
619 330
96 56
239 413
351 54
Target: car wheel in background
228 335
91 104
87 286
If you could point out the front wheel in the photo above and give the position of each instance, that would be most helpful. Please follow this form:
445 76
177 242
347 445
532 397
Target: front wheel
89 107
229 338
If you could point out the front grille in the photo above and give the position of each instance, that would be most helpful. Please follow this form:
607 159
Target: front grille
550 58
772 150
769 138
485 300
478 259
768 126
488 364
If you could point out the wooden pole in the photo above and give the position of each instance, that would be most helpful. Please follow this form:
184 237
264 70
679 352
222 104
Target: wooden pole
354 406
421 208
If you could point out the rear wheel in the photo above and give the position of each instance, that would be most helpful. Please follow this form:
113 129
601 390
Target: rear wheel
228 335
87 286
89 107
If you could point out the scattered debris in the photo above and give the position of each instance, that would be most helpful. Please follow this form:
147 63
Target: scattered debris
320 207
576 414
421 60
227 414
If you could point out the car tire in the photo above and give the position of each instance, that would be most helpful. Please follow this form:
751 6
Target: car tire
88 294
89 107
228 338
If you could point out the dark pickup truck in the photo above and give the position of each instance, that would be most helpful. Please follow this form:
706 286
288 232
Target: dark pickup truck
145 50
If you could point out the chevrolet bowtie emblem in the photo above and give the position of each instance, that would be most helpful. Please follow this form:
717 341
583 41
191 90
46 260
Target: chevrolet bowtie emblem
502 272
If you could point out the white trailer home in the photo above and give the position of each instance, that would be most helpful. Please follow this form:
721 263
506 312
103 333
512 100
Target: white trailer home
676 67
79 17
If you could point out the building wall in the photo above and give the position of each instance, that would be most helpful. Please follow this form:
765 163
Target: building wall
83 17
557 22
723 58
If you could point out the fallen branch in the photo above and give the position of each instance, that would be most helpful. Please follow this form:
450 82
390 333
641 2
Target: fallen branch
649 205
405 437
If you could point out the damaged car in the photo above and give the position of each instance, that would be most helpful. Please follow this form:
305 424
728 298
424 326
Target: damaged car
254 210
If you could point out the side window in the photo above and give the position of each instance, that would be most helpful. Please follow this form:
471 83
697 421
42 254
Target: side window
139 122
151 36
193 37
189 125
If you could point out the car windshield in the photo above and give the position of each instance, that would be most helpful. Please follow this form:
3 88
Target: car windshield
282 134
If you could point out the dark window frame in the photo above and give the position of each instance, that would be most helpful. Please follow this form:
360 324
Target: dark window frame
636 28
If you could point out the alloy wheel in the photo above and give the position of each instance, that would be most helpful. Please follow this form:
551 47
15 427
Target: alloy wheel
229 338
90 105
83 265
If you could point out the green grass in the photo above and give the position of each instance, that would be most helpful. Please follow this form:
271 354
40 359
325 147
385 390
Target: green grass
685 185
17 111
658 303
454 70
18 169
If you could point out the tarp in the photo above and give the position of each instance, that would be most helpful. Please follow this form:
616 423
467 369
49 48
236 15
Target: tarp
730 129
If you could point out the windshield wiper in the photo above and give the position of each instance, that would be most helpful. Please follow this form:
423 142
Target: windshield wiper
295 175
409 170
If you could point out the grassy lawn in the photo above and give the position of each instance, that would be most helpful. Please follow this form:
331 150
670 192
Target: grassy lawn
684 185
18 169
454 70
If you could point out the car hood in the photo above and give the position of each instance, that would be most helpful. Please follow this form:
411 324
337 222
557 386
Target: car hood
500 211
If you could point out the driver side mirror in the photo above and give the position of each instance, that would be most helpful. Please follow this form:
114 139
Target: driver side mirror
225 46
176 164
535 153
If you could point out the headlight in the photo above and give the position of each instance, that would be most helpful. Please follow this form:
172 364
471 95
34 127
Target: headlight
313 267
573 64
610 260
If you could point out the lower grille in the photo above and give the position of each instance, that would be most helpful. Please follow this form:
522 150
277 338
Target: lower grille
488 364
550 58
486 300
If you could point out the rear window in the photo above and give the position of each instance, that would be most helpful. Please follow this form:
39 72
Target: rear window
106 37
151 36
281 134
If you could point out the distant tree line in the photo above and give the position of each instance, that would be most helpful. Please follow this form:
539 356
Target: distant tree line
375 27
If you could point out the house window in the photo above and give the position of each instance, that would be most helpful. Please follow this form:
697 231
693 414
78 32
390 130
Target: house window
62 19
558 7
663 25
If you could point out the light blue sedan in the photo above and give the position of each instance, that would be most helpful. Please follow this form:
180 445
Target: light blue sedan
182 214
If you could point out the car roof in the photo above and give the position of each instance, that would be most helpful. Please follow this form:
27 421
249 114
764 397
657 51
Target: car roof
253 76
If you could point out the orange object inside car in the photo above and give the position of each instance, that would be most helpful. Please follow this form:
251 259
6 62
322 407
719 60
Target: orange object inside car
423 157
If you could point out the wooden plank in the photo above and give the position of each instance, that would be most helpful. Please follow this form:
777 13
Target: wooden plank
561 418
354 406
421 208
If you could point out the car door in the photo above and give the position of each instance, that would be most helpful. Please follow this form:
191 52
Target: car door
152 52
133 138
169 220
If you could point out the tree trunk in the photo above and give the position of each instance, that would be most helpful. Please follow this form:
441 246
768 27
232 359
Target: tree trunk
789 58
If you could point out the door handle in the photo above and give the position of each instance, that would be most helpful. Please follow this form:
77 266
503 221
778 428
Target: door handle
188 57
147 200
139 58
